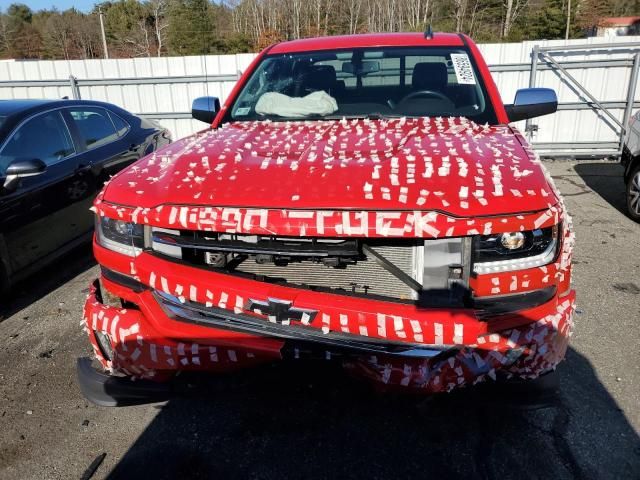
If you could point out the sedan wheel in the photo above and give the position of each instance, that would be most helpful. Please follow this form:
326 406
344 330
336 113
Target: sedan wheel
633 195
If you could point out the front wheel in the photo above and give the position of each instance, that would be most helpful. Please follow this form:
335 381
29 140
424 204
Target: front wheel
4 279
633 194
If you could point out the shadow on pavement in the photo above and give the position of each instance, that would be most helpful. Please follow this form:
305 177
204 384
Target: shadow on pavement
44 281
310 420
606 179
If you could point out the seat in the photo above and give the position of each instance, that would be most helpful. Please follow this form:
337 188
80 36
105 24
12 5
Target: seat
320 77
430 76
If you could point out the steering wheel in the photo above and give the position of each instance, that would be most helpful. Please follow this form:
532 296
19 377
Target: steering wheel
424 93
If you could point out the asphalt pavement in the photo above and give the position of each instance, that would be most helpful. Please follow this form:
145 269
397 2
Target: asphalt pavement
310 420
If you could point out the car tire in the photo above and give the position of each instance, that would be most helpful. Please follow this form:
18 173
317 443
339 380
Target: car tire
4 282
633 193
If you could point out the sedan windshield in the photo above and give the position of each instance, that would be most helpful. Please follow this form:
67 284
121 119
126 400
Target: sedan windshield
369 83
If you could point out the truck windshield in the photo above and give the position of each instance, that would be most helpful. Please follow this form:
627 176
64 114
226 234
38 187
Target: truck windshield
369 83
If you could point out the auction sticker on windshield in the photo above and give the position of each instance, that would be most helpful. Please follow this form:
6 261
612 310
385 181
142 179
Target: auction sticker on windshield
464 71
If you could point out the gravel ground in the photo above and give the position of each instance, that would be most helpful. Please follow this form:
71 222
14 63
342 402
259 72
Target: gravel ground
309 420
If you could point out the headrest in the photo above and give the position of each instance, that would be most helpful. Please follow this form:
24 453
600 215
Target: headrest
300 69
321 77
430 76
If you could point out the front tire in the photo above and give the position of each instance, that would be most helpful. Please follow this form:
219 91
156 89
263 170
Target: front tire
633 194
4 279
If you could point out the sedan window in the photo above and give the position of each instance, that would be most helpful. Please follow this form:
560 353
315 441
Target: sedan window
44 137
95 126
122 127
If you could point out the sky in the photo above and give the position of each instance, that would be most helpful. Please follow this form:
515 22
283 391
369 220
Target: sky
82 5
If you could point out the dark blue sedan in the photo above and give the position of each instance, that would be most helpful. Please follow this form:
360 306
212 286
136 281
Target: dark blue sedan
55 155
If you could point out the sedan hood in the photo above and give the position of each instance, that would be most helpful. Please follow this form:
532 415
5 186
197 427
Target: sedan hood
449 165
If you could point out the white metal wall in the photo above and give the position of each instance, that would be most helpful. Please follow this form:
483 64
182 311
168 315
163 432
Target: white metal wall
171 102
605 83
159 100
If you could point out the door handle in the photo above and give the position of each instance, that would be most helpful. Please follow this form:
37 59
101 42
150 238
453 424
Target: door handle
82 168
133 147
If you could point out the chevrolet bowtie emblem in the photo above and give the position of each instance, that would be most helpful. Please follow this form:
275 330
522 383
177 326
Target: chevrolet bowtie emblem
281 311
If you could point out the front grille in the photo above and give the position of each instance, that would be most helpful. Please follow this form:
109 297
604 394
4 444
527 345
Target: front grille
365 277
334 265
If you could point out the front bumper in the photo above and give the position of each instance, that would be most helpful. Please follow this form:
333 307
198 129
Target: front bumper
111 391
438 355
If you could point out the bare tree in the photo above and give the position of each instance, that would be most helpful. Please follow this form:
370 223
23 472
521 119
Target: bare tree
158 10
417 14
138 41
5 34
296 18
460 10
353 10
315 18
513 8
58 33
476 16
87 36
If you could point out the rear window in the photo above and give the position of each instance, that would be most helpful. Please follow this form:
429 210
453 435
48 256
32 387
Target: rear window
388 82
122 127
95 126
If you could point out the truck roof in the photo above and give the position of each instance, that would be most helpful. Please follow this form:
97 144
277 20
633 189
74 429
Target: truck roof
369 40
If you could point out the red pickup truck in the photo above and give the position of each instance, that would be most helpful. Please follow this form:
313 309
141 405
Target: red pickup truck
359 198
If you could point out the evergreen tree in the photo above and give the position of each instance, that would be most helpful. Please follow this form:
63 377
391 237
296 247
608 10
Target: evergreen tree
25 39
191 31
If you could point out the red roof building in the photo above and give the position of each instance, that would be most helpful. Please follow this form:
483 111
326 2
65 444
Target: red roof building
618 26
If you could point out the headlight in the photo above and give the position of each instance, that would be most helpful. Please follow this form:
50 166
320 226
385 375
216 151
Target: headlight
122 237
505 252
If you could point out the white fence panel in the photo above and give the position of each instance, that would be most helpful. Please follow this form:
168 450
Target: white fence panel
163 88
605 82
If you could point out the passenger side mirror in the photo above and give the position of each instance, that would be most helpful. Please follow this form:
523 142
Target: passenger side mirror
205 109
22 169
532 102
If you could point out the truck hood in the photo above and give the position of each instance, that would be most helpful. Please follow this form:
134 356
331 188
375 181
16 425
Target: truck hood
449 165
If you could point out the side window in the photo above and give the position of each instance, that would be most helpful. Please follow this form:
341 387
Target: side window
121 126
44 137
95 126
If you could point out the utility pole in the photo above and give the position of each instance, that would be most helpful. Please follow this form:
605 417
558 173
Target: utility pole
104 37
566 33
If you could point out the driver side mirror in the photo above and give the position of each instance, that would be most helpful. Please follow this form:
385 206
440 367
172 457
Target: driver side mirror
205 109
22 169
532 102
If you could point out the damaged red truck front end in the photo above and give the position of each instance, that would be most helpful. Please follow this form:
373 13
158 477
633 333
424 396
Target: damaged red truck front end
418 240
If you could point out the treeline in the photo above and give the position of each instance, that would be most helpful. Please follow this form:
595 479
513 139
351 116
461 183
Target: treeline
188 27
